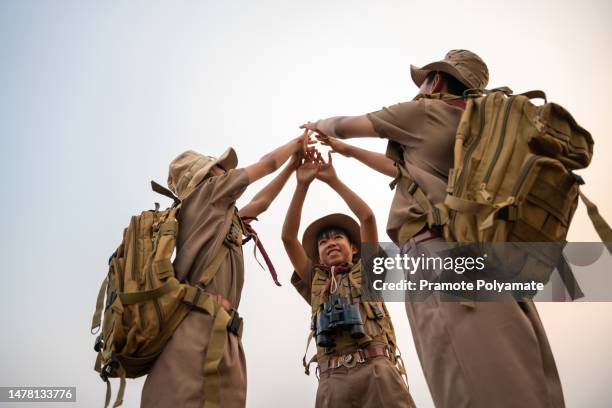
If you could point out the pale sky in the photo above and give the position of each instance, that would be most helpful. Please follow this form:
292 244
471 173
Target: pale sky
98 97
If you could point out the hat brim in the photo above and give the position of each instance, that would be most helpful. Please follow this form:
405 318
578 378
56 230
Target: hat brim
309 239
228 160
420 74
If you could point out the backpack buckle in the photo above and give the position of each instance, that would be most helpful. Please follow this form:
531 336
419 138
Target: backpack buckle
107 369
234 235
508 213
110 300
578 178
235 324
99 344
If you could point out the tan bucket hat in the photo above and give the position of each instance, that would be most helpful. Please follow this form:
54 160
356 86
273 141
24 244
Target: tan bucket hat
189 168
464 65
352 228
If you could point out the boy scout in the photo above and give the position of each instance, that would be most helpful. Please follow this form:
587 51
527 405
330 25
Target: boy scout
356 347
492 355
203 364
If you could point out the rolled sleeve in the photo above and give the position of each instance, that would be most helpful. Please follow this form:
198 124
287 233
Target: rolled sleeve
303 286
400 122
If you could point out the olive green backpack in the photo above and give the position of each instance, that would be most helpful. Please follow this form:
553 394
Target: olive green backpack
512 178
145 302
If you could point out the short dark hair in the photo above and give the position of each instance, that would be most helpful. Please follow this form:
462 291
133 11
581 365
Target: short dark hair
328 232
453 85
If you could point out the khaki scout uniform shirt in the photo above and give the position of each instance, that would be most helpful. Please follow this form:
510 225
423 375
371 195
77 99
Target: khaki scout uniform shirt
177 377
426 128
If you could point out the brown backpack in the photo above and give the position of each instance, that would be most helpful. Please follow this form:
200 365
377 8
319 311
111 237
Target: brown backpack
512 179
145 302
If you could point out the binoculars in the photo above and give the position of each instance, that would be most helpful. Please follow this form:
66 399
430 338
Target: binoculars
337 313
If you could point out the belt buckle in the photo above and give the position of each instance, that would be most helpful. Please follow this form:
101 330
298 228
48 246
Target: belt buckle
348 360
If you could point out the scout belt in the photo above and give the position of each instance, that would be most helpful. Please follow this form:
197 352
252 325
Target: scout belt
350 360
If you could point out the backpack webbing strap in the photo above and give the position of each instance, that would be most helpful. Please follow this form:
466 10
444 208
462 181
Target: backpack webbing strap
196 297
399 364
568 278
211 270
120 393
214 354
601 226
312 359
467 206
436 214
139 297
224 321
119 399
108 393
97 316
158 188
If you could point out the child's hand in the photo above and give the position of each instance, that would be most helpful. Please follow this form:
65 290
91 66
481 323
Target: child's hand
295 161
303 142
326 172
306 172
337 145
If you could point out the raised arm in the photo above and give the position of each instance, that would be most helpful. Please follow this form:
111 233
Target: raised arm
264 198
374 160
362 211
343 127
305 174
273 160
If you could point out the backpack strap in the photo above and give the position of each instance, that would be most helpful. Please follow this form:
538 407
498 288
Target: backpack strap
97 317
232 236
115 366
226 319
132 298
212 268
568 278
214 354
312 359
436 215
601 226
535 94
119 399
158 188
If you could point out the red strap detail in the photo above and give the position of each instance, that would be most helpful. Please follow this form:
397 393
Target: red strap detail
252 233
459 103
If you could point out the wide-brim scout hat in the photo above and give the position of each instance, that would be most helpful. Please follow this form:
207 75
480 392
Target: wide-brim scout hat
309 240
189 168
467 67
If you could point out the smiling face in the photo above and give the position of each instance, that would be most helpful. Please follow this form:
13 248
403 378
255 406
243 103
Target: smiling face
335 248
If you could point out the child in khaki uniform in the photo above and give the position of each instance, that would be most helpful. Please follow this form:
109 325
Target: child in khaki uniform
356 360
208 189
